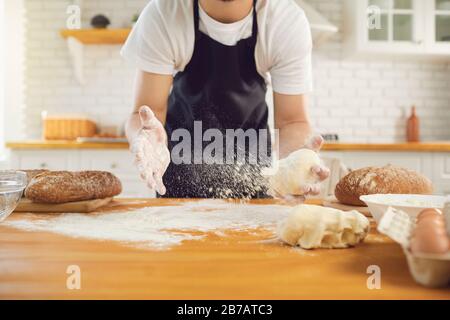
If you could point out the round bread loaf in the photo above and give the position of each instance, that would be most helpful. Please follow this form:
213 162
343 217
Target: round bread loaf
384 180
63 186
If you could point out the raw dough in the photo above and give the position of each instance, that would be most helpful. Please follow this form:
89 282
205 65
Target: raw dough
310 226
294 172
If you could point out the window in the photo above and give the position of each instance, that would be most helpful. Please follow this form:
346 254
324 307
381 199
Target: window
397 20
442 23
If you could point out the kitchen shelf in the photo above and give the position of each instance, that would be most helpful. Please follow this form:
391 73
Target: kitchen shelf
398 147
64 144
97 36
76 40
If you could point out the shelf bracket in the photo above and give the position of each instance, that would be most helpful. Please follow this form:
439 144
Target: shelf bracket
76 54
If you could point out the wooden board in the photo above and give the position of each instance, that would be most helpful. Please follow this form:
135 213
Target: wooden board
332 202
235 265
26 205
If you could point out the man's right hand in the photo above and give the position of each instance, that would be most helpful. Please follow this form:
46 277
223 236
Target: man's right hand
150 150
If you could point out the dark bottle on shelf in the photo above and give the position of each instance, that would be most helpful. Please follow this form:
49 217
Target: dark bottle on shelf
412 127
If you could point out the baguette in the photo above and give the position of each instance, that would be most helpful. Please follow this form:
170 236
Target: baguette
63 186
384 180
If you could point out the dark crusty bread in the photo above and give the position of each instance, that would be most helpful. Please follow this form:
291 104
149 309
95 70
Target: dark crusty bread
376 180
33 173
64 186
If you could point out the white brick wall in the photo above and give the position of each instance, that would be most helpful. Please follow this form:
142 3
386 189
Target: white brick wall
367 100
50 85
362 100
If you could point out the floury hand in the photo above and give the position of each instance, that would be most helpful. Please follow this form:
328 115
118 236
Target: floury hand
150 150
315 144
307 184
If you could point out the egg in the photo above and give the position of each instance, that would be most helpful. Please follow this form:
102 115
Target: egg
438 219
429 234
433 243
430 223
428 213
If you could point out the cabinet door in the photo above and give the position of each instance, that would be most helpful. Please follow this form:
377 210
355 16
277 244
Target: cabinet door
441 177
438 26
393 26
135 188
356 160
45 159
119 162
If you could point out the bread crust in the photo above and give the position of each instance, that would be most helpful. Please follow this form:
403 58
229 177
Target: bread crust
33 173
63 186
380 180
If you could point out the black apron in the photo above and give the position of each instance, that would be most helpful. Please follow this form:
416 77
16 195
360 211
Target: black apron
220 87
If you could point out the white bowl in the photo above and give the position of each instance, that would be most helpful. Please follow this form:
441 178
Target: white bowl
12 184
412 204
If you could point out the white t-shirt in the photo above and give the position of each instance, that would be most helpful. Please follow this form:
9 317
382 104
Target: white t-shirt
162 41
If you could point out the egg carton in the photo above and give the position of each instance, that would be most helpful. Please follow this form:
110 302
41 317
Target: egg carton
431 270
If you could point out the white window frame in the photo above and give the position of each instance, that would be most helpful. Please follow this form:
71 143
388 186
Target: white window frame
432 44
399 46
423 44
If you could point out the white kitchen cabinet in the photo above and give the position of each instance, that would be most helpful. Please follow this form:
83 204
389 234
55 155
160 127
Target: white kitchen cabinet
393 27
435 166
48 159
441 172
413 161
438 27
118 162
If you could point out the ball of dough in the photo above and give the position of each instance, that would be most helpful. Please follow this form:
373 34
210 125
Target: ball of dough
294 172
310 226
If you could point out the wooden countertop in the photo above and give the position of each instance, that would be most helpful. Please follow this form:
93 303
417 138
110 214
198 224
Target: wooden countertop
236 266
64 144
395 147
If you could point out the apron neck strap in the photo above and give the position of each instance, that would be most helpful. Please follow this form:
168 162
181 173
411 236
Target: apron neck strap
255 22
197 20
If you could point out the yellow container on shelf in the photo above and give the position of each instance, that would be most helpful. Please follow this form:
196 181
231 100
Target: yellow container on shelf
67 127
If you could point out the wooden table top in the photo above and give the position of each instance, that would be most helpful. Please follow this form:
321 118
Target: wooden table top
238 266
438 146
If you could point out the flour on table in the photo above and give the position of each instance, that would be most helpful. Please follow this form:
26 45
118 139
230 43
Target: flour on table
159 227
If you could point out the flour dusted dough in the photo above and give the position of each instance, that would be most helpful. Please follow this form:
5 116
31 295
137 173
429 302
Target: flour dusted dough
310 226
294 172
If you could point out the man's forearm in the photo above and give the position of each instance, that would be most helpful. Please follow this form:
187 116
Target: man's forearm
150 90
293 136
